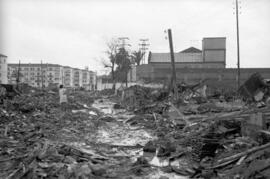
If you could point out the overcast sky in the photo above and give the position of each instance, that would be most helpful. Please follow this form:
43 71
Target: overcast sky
75 32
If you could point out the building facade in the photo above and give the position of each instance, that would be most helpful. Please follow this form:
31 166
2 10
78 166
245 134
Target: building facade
77 78
43 75
93 80
212 55
214 49
68 76
3 69
86 79
36 75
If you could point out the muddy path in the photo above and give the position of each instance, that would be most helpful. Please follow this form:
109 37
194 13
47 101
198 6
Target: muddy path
121 145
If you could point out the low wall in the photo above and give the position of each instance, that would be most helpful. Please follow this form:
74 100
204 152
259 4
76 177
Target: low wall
219 76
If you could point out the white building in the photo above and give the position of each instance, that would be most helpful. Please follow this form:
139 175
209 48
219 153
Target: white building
77 77
3 69
46 74
68 76
36 75
93 80
86 79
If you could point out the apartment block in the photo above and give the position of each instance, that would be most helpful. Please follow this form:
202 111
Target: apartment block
93 80
86 79
3 69
38 75
68 76
77 78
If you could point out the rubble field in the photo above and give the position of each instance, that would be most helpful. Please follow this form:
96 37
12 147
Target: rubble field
138 133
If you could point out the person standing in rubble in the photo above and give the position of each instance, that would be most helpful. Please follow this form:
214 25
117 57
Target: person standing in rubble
62 94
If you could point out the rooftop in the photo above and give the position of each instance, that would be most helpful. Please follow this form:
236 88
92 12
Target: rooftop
34 64
191 50
1 55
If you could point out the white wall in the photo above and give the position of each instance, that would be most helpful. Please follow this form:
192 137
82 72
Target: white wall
102 86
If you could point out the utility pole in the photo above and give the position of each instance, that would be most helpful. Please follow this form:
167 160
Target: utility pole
18 75
173 64
238 50
144 47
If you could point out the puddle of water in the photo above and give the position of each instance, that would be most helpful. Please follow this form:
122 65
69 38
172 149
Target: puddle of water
106 106
81 110
158 162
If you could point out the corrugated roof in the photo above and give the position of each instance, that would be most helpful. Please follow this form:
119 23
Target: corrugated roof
191 50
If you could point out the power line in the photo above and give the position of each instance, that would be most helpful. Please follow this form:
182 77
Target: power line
144 47
123 42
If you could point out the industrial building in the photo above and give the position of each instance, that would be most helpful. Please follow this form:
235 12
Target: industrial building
3 69
193 65
212 55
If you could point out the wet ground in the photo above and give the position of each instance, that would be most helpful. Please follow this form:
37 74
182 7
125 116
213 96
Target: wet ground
121 144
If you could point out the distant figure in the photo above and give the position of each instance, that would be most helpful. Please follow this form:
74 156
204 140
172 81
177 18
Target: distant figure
62 94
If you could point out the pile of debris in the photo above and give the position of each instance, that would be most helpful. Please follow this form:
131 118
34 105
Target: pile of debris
256 89
198 136
35 133
145 100
220 147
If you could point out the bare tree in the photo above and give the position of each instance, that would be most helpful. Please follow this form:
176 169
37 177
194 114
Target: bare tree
137 57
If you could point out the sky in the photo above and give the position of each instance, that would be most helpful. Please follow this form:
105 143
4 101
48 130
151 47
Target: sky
75 32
